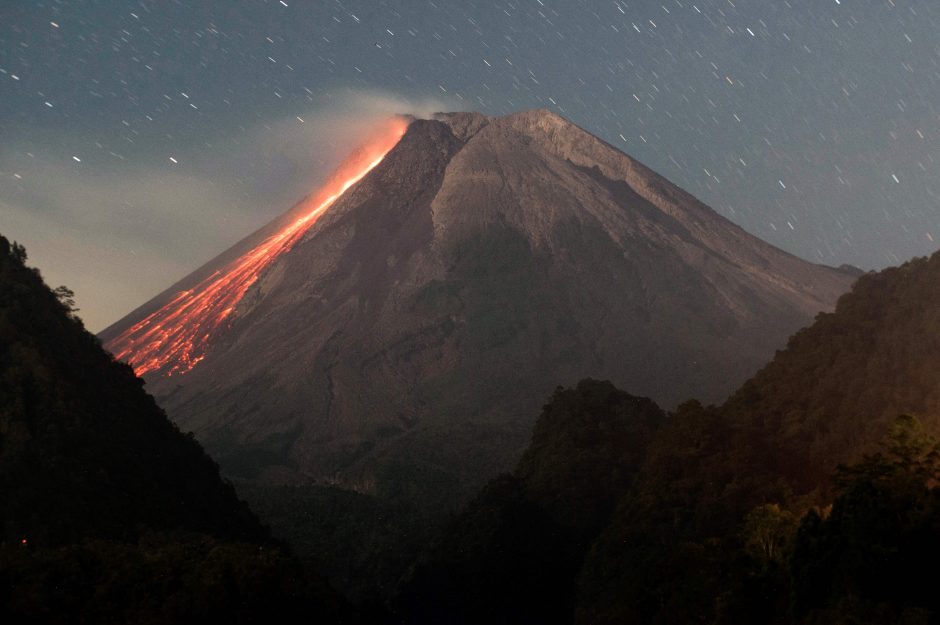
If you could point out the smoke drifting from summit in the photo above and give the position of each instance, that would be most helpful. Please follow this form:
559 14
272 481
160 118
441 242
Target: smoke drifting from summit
119 225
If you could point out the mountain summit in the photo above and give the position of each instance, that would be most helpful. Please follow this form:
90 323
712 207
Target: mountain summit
409 334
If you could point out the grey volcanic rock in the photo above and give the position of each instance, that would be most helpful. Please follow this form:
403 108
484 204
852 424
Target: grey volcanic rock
409 339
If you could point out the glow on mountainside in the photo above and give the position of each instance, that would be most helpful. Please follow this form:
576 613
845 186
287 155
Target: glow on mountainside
175 338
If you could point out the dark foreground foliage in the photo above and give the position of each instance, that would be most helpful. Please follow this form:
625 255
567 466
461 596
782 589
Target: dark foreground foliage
84 450
864 559
870 558
364 544
672 551
161 579
734 513
514 554
109 514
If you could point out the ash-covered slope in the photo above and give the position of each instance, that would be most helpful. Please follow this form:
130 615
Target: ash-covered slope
411 334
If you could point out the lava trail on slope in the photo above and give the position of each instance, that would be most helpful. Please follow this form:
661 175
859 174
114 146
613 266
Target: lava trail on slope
173 339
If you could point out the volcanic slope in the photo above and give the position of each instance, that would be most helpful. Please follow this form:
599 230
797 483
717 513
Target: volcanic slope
411 333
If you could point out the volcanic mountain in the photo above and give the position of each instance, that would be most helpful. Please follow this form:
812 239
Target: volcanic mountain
408 332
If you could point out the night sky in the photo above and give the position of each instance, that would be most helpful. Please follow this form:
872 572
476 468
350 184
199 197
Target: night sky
138 139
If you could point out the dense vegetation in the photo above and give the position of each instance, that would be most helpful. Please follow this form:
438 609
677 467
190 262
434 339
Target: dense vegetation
510 558
736 513
827 399
160 579
364 544
107 512
514 554
869 558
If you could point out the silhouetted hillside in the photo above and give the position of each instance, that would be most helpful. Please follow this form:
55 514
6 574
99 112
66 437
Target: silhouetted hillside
826 400
838 386
727 514
85 451
107 512
514 554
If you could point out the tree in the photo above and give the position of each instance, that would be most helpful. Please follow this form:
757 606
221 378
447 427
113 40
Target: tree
18 252
866 561
908 453
66 297
767 533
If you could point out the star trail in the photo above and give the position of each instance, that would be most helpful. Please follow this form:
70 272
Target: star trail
140 138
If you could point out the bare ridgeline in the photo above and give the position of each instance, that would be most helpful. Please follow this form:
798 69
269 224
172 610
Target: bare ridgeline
424 319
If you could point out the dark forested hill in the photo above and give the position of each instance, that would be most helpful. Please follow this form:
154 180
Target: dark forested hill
840 383
514 554
84 451
107 512
738 513
772 449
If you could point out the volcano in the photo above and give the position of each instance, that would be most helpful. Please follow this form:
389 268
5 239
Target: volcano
449 278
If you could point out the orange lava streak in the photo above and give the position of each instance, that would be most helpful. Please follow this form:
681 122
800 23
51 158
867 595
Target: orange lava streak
175 338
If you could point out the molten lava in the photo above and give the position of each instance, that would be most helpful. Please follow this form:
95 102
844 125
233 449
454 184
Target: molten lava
175 338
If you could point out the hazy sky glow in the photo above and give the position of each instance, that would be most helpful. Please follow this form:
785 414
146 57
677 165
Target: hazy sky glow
140 138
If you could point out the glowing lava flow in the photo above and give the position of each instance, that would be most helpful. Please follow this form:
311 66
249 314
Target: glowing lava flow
175 337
